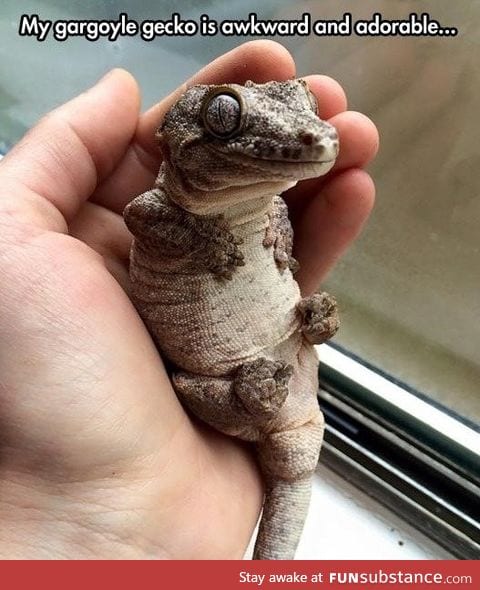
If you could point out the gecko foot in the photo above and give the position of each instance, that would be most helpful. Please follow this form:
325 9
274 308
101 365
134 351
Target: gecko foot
262 385
320 317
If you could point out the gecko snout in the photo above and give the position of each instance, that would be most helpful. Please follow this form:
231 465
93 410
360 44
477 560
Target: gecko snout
323 146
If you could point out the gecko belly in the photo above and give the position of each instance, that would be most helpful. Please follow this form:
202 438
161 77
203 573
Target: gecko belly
205 325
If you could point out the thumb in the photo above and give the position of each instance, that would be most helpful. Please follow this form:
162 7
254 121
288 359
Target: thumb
49 174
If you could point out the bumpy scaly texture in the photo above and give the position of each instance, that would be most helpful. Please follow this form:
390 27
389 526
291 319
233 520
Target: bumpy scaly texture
211 271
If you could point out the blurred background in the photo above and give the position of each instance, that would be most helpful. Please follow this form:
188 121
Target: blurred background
409 289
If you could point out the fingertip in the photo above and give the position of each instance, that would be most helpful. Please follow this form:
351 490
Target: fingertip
122 83
330 223
350 197
267 60
260 61
329 93
359 139
365 185
77 145
370 131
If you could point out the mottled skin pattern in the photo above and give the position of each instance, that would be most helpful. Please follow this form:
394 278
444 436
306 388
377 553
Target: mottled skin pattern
212 277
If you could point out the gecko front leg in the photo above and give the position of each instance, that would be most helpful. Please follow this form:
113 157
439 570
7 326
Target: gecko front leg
182 239
279 234
320 317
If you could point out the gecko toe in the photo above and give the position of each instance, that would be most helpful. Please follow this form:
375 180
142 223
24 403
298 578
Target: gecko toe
262 385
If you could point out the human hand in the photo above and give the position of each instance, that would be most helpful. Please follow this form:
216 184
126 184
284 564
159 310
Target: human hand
99 458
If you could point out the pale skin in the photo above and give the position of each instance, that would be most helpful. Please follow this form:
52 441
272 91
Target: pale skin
99 459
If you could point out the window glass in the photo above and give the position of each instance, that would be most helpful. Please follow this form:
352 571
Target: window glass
409 289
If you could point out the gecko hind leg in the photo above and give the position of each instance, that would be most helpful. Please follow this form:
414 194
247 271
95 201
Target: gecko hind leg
237 404
288 460
320 317
213 400
262 385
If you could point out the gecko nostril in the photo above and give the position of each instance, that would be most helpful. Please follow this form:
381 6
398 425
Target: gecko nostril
306 137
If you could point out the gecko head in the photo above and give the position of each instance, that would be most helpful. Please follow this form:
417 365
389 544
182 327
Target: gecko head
215 137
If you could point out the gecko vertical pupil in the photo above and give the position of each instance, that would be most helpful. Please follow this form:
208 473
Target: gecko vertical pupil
223 115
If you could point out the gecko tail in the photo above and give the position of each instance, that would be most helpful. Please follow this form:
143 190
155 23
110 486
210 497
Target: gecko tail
285 509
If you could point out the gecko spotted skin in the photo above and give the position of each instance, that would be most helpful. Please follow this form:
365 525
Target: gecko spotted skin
212 277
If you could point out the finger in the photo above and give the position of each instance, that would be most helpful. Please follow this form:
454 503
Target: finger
62 159
329 94
358 140
358 146
106 233
330 222
259 61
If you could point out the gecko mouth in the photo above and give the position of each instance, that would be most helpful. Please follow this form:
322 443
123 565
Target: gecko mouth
281 167
300 170
319 155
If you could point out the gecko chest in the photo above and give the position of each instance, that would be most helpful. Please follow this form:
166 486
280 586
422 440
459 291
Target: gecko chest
209 326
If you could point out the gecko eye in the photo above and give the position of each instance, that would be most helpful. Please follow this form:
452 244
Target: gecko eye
223 113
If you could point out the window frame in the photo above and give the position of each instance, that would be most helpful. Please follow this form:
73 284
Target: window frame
414 456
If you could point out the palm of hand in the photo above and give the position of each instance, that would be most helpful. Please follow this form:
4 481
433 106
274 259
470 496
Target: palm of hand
90 411
94 438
